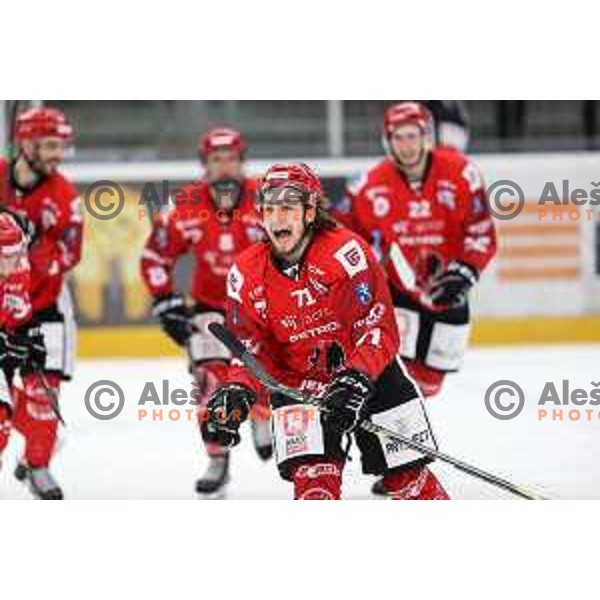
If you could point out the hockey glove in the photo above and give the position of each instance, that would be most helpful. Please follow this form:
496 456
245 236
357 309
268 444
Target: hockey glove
174 317
452 287
5 361
28 347
227 409
14 350
345 400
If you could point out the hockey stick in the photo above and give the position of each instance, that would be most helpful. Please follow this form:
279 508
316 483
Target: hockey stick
53 395
237 349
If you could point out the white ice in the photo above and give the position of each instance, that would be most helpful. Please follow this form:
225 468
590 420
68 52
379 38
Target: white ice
126 458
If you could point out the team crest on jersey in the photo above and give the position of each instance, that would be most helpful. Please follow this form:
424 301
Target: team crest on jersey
363 293
352 257
235 281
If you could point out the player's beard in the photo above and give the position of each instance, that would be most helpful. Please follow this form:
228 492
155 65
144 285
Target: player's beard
226 193
42 168
289 246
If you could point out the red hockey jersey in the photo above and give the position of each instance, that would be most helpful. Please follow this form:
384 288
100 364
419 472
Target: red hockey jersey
196 225
53 206
15 304
332 310
417 229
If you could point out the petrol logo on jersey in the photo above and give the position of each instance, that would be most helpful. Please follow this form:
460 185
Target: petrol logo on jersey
352 258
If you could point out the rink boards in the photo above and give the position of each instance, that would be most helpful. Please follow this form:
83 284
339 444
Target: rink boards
543 287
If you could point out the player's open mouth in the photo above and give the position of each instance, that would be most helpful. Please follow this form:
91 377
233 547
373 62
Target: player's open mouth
282 235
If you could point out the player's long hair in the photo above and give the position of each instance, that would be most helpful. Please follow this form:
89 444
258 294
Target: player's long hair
323 220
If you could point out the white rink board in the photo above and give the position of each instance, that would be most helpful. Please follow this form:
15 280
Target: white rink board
494 298
127 459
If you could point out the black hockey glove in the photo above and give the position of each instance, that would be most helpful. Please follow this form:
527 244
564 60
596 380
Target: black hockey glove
174 317
14 350
227 409
452 287
345 399
27 343
5 361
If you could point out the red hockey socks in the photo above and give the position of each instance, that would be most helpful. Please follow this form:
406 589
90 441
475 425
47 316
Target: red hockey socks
318 479
418 483
35 419
428 380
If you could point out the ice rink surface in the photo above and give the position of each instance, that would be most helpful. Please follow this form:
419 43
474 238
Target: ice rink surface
129 458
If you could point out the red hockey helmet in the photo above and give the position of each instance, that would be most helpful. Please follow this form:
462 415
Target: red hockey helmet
221 137
405 113
43 122
296 176
12 237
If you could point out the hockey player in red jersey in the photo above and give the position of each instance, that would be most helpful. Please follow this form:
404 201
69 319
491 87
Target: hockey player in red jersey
21 341
423 210
212 220
313 305
32 186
